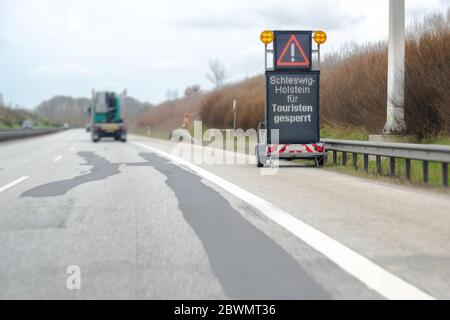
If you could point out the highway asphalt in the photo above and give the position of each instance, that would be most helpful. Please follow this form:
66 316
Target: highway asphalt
141 222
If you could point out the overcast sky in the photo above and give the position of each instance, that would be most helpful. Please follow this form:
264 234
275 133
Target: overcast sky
52 47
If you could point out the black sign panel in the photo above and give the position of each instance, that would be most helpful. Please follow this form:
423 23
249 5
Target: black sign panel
292 50
292 106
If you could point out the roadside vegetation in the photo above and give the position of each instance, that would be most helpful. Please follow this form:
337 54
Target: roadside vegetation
353 91
434 171
167 116
59 110
63 109
353 99
11 118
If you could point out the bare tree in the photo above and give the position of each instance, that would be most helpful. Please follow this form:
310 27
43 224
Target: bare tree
217 73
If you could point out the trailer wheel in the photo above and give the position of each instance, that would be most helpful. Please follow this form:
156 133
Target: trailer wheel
95 137
259 164
319 161
123 136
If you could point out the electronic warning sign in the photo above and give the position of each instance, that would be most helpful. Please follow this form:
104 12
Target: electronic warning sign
292 106
292 50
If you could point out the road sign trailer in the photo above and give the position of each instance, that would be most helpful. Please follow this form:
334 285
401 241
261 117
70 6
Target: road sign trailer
292 104
266 153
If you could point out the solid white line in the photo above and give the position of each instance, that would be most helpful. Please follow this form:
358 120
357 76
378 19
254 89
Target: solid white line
58 158
366 271
12 184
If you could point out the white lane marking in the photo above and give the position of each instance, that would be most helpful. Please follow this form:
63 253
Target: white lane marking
366 271
12 184
58 158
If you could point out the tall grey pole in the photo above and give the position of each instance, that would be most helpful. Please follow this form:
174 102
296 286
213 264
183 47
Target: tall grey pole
395 120
234 114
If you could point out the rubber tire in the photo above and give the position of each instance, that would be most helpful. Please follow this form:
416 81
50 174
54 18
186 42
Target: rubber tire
320 161
258 161
95 139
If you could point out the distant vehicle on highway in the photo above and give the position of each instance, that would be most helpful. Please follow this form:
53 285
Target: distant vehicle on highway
107 116
27 124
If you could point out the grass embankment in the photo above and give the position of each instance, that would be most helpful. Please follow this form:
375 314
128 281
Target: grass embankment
353 96
434 169
437 140
353 91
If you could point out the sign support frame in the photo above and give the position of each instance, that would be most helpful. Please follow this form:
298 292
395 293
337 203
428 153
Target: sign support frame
261 149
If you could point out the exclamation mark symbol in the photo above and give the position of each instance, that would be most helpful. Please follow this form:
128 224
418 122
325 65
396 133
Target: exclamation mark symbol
292 52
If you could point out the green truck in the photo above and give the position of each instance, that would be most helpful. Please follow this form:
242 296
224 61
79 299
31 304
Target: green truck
107 116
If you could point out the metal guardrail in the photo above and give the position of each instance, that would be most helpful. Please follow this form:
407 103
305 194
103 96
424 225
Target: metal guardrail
407 151
11 134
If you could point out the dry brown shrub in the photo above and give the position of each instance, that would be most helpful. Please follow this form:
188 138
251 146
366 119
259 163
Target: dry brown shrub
353 89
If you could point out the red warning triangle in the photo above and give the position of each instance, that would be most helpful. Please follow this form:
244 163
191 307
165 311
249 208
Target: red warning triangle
286 58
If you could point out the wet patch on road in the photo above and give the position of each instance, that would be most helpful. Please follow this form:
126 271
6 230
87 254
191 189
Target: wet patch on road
101 169
247 263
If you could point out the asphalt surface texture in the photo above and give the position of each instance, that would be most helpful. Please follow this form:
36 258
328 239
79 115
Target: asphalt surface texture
141 226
